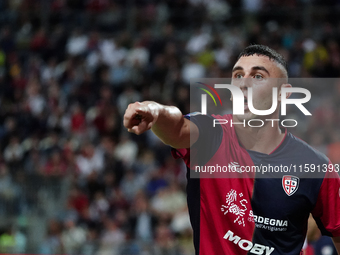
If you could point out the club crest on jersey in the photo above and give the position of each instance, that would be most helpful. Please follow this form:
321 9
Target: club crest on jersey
290 184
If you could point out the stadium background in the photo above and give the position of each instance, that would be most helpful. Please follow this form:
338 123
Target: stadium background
72 180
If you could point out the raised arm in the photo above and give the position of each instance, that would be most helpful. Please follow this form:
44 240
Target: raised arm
167 122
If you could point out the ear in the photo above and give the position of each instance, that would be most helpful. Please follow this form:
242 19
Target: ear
285 86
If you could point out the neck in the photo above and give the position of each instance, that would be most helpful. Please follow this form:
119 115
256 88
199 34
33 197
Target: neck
261 139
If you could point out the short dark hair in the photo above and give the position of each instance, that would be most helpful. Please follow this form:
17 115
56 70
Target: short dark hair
262 50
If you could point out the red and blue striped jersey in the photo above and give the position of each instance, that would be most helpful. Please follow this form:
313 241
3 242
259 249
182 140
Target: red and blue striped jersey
258 213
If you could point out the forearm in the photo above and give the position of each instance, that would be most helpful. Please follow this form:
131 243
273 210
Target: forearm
171 127
167 122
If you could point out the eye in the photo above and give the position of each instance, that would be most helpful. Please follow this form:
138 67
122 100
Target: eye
238 76
258 76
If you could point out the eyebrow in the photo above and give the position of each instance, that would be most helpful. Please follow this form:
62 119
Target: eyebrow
254 68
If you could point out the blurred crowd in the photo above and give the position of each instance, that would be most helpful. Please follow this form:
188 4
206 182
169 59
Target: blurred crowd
69 69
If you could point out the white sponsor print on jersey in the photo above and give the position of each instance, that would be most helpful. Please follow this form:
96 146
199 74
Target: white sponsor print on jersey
273 225
236 205
247 245
290 184
239 210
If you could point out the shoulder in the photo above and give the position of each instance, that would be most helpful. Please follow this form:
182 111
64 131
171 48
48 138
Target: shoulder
303 150
210 123
213 121
198 115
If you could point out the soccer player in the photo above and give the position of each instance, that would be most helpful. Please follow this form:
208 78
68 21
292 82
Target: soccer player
247 215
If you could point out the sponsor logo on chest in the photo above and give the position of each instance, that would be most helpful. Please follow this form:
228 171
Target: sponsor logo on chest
271 222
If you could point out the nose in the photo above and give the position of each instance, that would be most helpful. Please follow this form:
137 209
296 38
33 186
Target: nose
245 83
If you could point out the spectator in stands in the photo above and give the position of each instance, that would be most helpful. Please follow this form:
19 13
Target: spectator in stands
68 69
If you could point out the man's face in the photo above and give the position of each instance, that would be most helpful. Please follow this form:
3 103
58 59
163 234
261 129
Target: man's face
261 74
